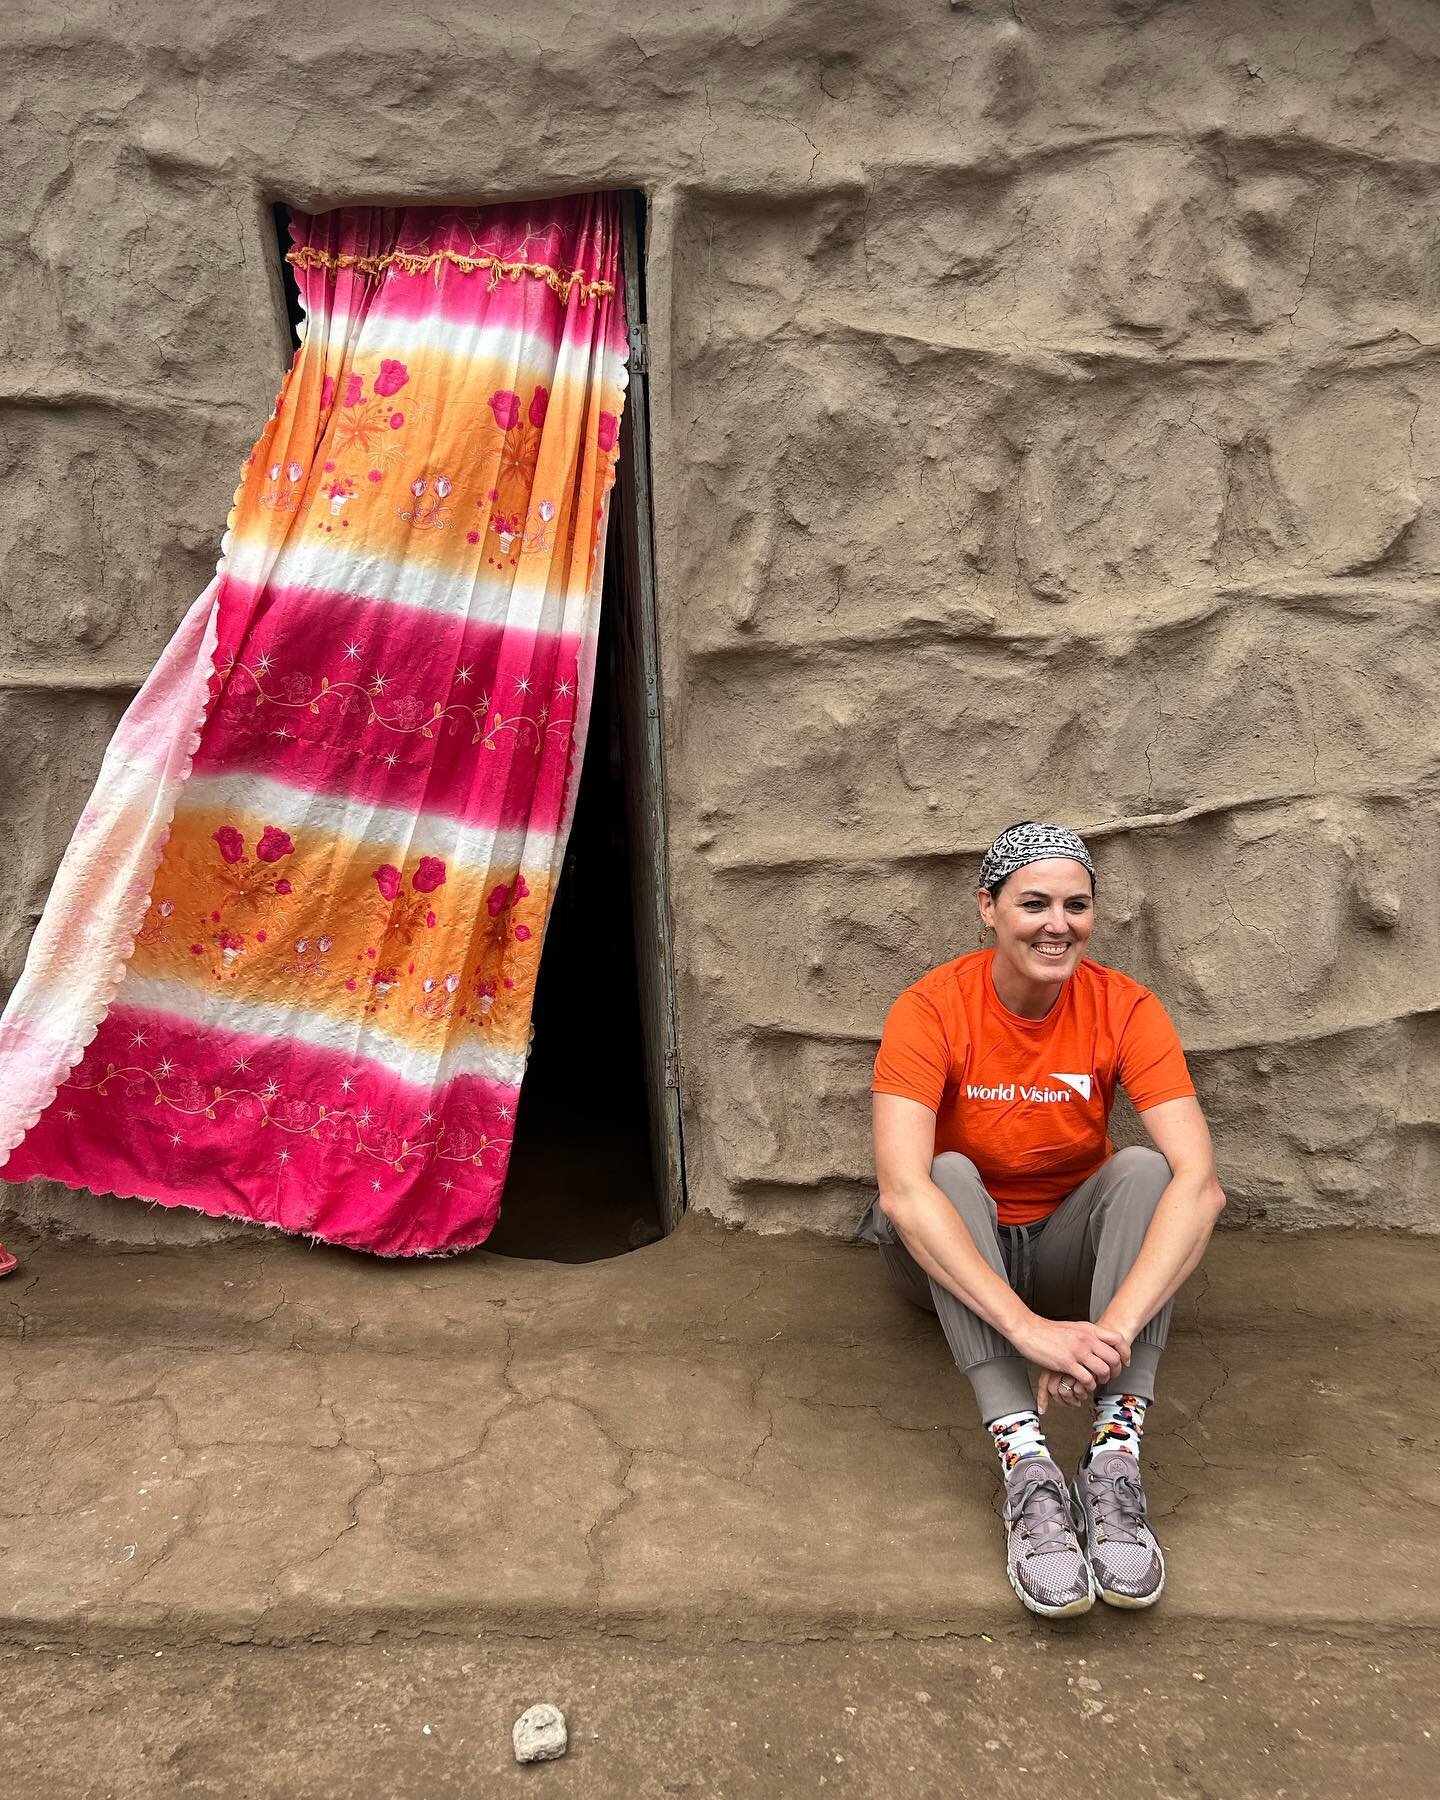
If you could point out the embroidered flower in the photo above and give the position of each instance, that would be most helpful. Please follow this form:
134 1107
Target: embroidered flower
506 408
166 908
522 932
392 377
273 844
282 887
327 393
472 537
609 430
547 510
355 392
387 879
522 892
497 900
417 486
429 875
232 845
187 1095
231 940
442 485
293 471
396 421
374 475
539 406
325 944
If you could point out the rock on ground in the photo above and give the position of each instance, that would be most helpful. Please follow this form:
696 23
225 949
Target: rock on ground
539 1734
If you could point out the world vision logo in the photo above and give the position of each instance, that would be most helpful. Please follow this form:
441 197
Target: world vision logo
1011 1090
1080 1083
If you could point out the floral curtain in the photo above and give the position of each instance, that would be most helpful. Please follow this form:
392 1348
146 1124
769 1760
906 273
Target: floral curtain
287 967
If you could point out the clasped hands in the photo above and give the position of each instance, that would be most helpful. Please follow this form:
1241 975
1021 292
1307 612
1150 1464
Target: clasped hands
1075 1357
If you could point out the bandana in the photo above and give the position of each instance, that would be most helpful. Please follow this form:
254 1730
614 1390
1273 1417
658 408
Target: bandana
1028 843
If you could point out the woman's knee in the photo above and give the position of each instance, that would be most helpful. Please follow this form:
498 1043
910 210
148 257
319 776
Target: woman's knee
1139 1174
959 1180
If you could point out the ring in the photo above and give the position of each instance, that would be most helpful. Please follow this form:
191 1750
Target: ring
1067 1386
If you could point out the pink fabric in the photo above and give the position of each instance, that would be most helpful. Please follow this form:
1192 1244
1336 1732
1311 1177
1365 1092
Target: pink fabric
239 1125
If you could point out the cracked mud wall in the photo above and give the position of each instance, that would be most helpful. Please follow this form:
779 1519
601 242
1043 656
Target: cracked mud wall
1045 421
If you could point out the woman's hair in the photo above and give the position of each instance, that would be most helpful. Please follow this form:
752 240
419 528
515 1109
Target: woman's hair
1031 840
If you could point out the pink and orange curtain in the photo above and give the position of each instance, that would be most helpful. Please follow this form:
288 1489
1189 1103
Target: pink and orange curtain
287 966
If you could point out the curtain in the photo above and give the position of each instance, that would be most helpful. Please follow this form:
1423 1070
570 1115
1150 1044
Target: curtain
287 966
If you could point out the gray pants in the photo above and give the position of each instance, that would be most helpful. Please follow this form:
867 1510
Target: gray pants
1067 1266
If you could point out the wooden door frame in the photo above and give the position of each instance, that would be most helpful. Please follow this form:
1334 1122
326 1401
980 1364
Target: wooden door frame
647 808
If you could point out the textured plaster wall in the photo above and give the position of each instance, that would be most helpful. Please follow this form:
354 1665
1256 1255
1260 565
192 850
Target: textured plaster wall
1046 420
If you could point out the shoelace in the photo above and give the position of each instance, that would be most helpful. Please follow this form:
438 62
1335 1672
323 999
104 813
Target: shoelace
1128 1498
1042 1510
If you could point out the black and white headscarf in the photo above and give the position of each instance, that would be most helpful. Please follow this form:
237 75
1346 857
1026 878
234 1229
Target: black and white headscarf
1028 843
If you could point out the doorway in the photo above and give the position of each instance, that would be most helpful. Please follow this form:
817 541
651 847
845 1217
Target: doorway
582 1184
597 1165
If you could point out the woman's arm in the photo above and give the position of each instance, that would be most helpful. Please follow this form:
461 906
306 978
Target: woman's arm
936 1236
1183 1220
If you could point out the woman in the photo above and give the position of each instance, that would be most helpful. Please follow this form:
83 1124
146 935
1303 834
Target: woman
1005 1209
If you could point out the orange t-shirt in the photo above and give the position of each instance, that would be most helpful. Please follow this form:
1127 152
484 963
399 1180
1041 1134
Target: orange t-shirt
1028 1100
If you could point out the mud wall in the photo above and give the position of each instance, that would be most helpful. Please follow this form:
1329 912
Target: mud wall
1045 421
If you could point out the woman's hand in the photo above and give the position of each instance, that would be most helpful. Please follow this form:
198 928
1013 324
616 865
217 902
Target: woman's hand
1072 1350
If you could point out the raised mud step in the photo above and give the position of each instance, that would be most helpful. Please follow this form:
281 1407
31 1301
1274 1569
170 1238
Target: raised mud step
720 1438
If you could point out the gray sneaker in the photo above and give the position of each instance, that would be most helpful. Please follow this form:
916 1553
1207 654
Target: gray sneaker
1046 1565
1110 1504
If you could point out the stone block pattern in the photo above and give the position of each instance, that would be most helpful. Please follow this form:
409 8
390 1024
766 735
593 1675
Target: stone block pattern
1045 421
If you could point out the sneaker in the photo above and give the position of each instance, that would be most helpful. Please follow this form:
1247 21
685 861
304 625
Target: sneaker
1129 1565
1043 1558
7 1261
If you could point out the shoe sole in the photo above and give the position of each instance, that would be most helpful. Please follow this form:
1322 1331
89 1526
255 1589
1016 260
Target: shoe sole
1126 1602
1070 1610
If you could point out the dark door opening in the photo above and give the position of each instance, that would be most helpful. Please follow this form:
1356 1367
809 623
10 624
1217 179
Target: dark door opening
597 1163
580 1185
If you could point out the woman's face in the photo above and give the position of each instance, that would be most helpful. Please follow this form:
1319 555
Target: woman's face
1042 919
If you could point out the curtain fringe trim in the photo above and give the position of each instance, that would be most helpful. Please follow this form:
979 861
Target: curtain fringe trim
563 281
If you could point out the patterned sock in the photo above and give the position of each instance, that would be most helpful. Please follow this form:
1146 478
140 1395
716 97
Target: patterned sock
1017 1436
1119 1425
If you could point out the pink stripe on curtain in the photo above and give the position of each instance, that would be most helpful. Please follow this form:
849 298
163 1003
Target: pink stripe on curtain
378 1143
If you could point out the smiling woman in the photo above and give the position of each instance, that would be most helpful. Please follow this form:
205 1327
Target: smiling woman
1004 1208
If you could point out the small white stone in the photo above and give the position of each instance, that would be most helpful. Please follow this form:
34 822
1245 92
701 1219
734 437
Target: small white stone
539 1735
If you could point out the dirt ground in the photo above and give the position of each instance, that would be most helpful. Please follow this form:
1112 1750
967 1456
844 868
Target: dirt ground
1115 1707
